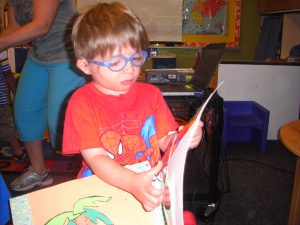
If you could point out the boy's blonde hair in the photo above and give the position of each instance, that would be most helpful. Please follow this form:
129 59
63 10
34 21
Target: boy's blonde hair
105 27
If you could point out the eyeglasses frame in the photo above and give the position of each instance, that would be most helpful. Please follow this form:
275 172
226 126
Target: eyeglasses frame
127 60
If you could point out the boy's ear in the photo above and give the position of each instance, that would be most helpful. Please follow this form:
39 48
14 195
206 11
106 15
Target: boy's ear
82 64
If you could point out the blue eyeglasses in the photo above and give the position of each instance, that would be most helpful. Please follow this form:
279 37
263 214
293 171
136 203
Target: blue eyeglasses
119 62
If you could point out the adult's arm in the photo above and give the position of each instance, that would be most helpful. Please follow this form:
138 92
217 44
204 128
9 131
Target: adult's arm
11 82
44 12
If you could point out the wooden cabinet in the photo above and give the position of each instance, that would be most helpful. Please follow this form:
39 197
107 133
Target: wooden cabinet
290 33
273 6
296 4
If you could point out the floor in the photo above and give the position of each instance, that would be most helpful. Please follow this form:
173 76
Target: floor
256 189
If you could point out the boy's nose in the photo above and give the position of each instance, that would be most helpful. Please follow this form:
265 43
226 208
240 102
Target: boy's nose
129 67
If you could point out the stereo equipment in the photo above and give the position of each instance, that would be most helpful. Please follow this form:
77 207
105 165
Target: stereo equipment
161 61
169 76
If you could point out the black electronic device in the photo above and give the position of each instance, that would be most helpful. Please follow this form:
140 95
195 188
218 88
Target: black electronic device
169 76
204 70
162 61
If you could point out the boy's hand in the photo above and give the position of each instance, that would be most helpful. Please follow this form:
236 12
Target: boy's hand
197 136
142 188
166 198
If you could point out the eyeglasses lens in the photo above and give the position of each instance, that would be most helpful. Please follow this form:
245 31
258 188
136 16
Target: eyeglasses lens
119 62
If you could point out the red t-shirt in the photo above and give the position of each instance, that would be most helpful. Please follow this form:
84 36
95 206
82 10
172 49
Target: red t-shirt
128 126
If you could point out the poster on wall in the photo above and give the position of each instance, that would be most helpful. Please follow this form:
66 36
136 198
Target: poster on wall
162 19
204 17
210 21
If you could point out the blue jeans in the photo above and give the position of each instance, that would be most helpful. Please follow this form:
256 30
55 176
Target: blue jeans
42 94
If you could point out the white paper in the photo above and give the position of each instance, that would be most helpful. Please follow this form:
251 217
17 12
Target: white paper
176 165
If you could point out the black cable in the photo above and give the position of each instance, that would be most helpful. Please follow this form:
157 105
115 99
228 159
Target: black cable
204 140
250 160
263 164
227 179
223 155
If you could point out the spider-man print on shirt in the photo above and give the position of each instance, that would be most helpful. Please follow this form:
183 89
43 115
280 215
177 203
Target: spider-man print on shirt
131 149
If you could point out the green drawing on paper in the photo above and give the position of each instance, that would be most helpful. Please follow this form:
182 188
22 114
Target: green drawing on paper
83 213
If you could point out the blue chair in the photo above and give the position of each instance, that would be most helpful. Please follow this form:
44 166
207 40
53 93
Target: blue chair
245 121
4 202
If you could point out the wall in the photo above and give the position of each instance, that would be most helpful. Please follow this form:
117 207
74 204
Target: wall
276 87
249 33
2 5
250 28
162 19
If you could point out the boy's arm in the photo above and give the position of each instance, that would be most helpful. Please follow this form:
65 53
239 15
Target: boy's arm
11 82
9 76
138 184
166 140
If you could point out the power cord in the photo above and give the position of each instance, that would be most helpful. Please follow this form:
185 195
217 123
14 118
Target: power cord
262 164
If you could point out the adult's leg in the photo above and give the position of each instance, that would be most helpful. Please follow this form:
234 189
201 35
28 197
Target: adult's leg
30 112
64 78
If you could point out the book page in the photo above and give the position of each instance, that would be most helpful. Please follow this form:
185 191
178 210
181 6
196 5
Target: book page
176 163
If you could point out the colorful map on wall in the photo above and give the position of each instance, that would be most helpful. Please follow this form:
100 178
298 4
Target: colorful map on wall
204 17
211 21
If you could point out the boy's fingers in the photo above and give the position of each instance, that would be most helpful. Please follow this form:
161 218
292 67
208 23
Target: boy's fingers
180 128
156 169
201 123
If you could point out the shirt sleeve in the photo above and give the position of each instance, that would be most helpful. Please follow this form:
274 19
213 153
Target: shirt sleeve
165 120
80 130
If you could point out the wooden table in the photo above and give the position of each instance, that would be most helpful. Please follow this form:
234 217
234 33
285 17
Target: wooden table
289 135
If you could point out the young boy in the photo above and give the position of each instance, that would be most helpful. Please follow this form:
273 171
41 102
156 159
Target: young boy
115 121
7 127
